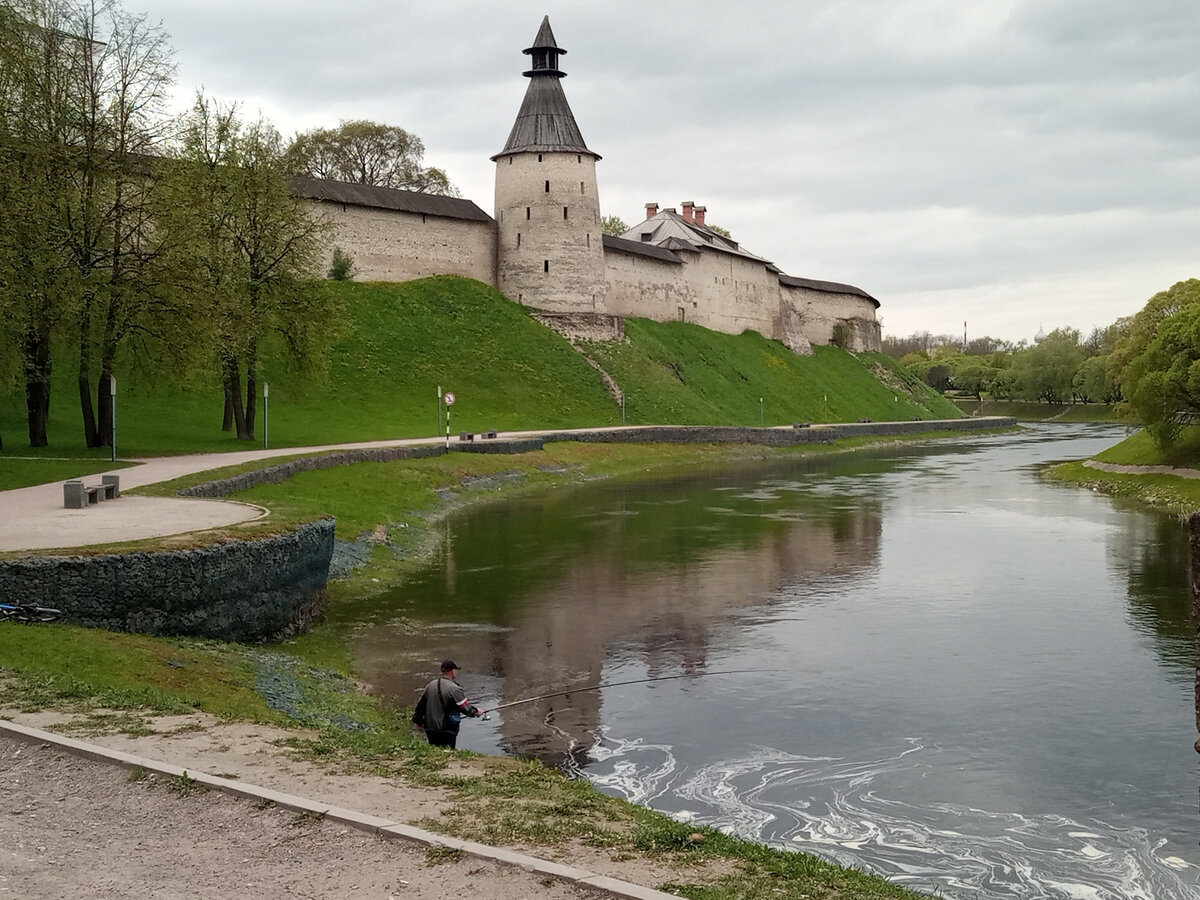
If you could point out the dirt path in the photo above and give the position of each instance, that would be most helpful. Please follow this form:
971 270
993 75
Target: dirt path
71 827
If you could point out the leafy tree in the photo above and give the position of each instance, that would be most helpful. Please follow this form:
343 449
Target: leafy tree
367 152
1157 362
1046 371
36 100
724 232
249 250
82 85
613 225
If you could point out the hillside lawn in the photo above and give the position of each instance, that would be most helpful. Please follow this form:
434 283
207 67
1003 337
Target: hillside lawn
401 343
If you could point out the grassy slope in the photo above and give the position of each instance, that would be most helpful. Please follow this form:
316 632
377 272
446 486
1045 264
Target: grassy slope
403 341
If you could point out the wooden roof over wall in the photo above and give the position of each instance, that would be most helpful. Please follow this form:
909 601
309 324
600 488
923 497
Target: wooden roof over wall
374 197
829 287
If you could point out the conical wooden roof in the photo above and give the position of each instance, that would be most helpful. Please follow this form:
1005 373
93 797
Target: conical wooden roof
545 122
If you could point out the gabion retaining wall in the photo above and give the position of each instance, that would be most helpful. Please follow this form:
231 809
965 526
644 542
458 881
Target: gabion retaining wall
261 590
281 472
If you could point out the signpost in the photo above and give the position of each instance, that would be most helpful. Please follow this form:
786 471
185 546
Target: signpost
449 398
266 417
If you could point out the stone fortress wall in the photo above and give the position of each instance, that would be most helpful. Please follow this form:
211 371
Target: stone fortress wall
545 248
393 245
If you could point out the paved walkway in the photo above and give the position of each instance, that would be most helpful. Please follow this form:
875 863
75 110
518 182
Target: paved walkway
34 518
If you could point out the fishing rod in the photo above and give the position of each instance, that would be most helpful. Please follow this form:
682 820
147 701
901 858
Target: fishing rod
486 713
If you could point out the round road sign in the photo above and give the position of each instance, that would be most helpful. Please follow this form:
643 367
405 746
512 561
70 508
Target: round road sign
449 399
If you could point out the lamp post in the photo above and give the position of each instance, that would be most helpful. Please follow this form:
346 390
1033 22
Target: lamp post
266 416
112 391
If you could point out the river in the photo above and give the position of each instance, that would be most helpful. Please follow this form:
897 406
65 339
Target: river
922 661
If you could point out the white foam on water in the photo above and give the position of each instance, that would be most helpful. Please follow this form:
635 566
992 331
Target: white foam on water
839 809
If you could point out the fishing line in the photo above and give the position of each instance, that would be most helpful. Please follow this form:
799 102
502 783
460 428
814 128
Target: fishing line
605 684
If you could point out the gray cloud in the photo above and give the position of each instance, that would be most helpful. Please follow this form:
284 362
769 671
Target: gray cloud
1019 163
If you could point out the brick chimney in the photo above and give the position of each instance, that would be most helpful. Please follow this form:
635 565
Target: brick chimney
687 210
651 210
700 211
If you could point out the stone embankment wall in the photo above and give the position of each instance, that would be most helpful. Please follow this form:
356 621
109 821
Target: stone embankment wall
261 590
786 436
281 472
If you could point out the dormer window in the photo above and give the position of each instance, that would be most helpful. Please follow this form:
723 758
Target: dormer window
646 236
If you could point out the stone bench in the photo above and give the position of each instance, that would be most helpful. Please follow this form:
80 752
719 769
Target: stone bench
77 495
466 436
489 434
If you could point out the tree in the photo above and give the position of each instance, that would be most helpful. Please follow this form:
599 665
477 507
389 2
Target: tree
82 85
1046 371
613 225
249 248
367 152
35 104
1157 362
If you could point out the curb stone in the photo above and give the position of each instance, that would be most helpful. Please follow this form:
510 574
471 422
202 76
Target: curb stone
385 828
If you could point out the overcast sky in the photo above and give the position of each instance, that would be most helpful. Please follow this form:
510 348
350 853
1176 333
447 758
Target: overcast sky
1014 164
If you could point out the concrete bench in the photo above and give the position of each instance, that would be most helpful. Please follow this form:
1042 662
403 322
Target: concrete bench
466 436
489 434
77 495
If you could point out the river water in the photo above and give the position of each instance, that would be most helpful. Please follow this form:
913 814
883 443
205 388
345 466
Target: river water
922 661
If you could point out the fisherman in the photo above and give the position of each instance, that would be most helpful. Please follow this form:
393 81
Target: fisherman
442 707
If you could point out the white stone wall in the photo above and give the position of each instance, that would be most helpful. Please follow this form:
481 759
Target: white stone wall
549 245
388 245
820 312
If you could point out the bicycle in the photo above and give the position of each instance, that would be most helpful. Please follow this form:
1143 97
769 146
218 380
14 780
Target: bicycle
28 612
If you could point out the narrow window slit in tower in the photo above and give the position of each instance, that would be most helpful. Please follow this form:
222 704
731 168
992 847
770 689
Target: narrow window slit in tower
545 265
547 187
564 213
527 214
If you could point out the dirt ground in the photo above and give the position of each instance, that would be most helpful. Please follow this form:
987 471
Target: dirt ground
71 827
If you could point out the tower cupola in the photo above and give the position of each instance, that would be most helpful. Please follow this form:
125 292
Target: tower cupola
545 53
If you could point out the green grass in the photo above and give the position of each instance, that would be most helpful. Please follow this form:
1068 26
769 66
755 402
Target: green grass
67 665
16 472
401 342
1171 493
1139 449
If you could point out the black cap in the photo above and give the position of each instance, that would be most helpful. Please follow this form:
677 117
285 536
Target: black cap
448 664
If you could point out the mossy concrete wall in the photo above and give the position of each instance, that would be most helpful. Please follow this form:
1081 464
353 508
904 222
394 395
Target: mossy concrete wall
260 590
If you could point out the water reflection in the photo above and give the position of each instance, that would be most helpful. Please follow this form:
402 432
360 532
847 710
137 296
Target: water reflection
545 588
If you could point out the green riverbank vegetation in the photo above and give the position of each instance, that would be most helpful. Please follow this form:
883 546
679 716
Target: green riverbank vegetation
1144 481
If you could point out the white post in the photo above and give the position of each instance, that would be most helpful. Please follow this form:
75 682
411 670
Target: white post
112 390
266 416
439 402
760 412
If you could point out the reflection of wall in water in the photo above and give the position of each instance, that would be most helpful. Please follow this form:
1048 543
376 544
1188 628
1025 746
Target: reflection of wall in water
667 614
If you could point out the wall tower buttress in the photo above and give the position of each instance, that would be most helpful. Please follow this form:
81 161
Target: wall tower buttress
549 246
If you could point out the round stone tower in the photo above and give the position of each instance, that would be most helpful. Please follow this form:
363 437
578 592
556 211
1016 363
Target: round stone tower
549 249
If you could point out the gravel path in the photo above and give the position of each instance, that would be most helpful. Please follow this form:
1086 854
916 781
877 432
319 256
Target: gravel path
71 827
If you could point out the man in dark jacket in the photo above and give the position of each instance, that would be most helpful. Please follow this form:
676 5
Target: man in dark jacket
442 707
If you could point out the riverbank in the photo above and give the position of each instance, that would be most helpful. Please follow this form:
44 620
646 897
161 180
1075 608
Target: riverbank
1136 469
120 687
